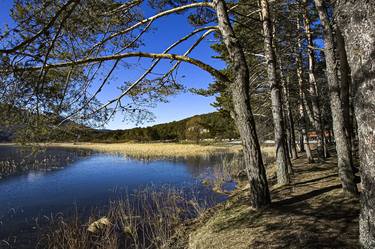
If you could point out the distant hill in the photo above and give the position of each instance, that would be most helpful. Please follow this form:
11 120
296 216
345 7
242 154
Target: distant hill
213 125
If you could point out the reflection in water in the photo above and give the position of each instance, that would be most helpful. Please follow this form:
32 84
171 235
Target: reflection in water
34 176
16 160
90 182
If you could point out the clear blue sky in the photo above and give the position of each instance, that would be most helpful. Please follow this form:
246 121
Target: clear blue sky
168 30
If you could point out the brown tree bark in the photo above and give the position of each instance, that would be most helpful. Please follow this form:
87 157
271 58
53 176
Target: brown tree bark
356 20
343 151
313 87
275 86
259 192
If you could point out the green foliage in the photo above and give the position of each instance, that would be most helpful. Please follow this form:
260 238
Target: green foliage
207 126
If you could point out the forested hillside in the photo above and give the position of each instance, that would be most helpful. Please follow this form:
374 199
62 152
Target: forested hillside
207 126
214 126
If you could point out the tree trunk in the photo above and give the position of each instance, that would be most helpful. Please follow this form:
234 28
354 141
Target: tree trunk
302 111
308 109
343 151
292 134
277 110
345 82
259 192
288 114
302 100
356 20
301 143
313 87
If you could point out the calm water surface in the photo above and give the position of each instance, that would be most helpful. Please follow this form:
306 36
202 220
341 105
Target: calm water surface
91 181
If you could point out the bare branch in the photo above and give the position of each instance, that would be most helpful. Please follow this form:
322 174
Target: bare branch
152 18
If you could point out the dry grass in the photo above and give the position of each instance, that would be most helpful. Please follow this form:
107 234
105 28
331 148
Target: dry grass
146 150
231 169
144 219
311 213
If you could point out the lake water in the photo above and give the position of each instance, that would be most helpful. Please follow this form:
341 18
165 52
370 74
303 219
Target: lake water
89 182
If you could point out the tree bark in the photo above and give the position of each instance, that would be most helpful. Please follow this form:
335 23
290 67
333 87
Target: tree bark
277 110
356 20
259 192
308 109
302 111
302 100
301 143
292 136
313 87
343 151
345 82
288 114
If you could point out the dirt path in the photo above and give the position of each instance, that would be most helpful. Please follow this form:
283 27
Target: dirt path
311 213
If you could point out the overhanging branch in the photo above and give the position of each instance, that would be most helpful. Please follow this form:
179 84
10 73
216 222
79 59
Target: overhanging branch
216 73
152 18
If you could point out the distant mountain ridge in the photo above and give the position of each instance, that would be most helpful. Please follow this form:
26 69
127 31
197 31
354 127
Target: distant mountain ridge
215 125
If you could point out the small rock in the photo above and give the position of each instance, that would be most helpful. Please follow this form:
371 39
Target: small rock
98 225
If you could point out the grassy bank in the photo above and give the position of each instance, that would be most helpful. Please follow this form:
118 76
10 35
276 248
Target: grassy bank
146 150
310 213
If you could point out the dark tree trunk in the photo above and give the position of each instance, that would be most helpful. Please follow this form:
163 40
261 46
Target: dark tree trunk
292 132
343 151
277 110
345 82
288 114
301 144
356 20
259 192
313 87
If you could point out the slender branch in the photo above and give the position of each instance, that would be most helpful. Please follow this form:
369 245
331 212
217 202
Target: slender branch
183 58
149 70
315 48
188 52
123 7
43 72
42 31
152 18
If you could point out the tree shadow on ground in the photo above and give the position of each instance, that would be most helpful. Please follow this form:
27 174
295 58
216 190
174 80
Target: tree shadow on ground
313 212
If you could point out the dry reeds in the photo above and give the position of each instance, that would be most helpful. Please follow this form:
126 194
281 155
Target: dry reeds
231 168
149 150
146 219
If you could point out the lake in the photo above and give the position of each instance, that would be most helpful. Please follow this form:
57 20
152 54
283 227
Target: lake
87 181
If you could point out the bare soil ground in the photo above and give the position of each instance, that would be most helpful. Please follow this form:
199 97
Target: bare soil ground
310 213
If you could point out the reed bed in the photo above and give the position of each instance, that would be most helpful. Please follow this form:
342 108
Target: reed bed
150 150
231 169
147 218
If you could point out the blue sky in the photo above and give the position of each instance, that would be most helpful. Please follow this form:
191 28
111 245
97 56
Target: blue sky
168 30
